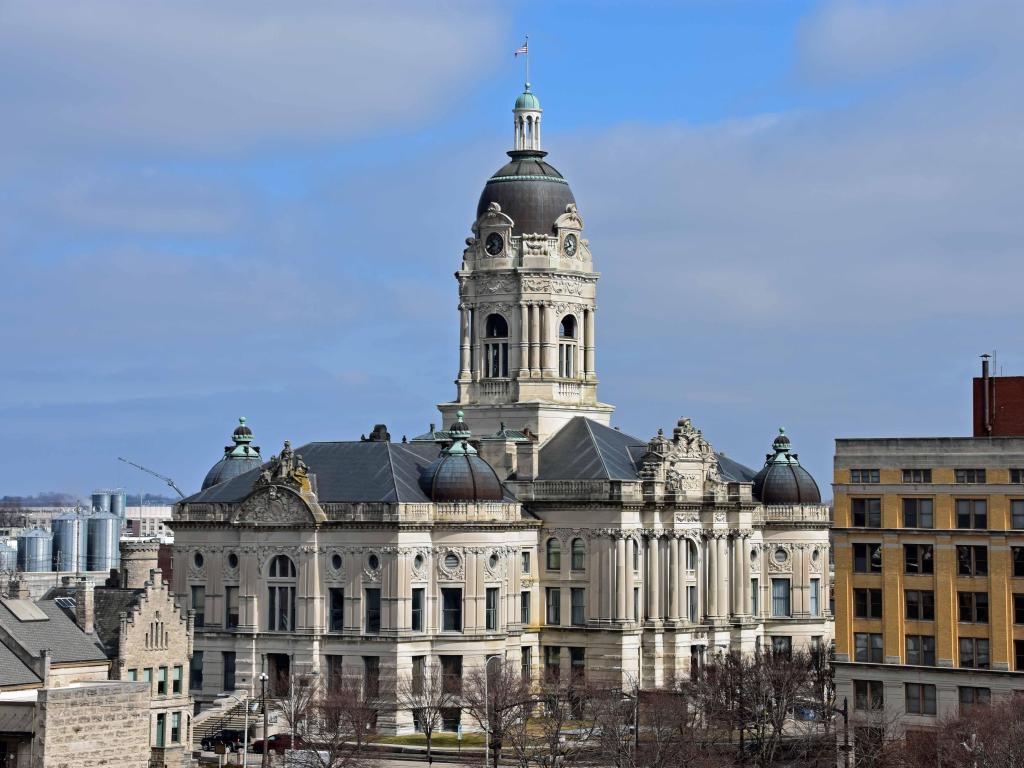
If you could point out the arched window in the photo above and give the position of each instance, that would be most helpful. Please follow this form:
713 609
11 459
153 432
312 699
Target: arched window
691 555
579 555
554 555
636 555
496 347
567 344
281 594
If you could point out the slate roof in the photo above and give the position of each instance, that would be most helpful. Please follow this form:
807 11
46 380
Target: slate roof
348 472
108 603
13 670
59 634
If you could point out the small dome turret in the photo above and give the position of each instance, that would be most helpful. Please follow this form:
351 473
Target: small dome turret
528 100
238 458
783 480
459 474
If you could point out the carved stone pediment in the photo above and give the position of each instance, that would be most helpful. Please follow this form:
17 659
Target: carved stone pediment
493 218
279 505
570 219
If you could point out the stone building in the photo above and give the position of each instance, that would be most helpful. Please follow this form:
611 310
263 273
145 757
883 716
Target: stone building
544 535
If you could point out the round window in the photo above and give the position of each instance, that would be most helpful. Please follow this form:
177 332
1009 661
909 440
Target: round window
418 561
781 555
753 554
336 561
374 562
815 555
197 558
232 561
493 560
451 560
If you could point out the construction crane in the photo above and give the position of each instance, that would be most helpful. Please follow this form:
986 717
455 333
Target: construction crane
154 474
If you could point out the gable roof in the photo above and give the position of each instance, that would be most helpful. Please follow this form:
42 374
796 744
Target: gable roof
13 671
58 633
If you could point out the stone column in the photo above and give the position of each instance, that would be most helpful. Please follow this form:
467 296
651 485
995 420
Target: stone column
737 581
524 341
745 572
620 579
588 345
653 582
534 340
464 343
711 595
630 580
826 582
723 575
674 579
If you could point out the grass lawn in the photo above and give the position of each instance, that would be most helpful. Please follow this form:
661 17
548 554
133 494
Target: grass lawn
441 739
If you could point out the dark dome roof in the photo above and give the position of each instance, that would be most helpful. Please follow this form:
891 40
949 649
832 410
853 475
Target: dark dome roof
238 458
459 474
783 480
530 191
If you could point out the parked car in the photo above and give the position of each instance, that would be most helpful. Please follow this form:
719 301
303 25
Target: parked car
278 743
231 739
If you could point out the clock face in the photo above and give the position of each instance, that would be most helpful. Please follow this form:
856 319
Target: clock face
569 245
494 244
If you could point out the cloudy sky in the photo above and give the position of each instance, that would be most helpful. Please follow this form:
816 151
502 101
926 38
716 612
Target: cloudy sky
805 214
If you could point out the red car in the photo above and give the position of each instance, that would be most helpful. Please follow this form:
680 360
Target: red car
278 742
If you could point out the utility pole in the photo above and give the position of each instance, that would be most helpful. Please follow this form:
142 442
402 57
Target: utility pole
265 763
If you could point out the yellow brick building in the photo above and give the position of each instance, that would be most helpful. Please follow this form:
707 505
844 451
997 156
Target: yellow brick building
929 575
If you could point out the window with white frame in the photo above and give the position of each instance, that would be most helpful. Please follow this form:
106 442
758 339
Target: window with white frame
495 347
780 597
281 579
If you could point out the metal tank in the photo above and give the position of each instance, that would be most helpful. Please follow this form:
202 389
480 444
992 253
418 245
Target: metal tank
104 538
101 501
8 557
117 502
35 551
70 535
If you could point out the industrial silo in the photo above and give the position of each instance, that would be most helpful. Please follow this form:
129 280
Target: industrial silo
101 501
8 557
70 535
35 551
117 502
103 542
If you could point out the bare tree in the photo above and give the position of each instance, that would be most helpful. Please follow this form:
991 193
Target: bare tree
498 698
428 694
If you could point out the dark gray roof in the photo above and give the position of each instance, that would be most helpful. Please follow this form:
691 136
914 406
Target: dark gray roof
229 467
13 670
734 471
59 634
530 191
108 603
348 472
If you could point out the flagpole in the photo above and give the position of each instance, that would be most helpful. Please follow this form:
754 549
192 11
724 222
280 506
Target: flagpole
527 61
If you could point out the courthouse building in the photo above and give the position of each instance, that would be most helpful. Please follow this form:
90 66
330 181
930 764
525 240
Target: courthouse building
526 527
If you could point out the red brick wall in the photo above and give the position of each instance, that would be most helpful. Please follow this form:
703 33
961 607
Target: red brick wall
1006 403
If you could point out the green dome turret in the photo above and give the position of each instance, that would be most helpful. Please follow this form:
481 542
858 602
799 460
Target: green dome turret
527 100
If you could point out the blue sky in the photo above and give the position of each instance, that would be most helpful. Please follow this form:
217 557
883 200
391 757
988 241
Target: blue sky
804 214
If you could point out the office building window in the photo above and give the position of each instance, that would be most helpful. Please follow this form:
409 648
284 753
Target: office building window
371 676
451 609
921 650
175 727
577 664
867 558
918 513
868 647
920 698
176 677
780 597
578 599
418 596
451 673
524 607
526 663
970 476
491 609
1017 557
199 605
371 616
815 597
867 603
419 674
920 604
1017 513
863 475
1018 655
336 622
1018 608
692 555
281 591
1017 476
971 560
971 697
754 597
552 662
161 681
553 606
973 607
636 603
579 555
526 561
972 514
866 513
868 694
195 671
161 728
974 652
231 607
917 476
133 675
229 670
554 550
917 558
691 602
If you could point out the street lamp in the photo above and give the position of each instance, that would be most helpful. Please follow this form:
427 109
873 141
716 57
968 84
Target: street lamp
265 762
487 711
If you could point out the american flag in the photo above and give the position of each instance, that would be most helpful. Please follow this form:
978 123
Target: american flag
524 48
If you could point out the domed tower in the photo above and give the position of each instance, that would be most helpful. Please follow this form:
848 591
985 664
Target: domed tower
527 297
459 474
783 480
238 458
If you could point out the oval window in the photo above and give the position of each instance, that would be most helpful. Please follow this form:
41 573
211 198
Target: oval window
232 561
373 562
418 561
781 555
197 558
336 561
451 560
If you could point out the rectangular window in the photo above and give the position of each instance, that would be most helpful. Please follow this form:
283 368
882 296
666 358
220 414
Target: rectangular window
815 597
281 616
133 675
229 670
577 664
176 680
451 609
918 513
578 555
917 476
780 597
973 607
336 621
199 605
578 614
371 676
524 607
636 603
566 360
920 698
1017 513
372 612
867 603
496 360
691 602
1018 608
1018 655
1017 556
195 671
554 559
418 595
867 558
867 513
971 697
1017 476
974 652
147 677
175 727
863 475
161 728
491 609
972 514
552 662
970 476
526 663
553 605
451 673
867 647
754 597
971 560
419 671
917 558
231 607
161 682
921 650
526 561
868 694
920 604
336 671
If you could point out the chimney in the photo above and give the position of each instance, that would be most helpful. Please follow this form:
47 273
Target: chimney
84 605
527 460
986 415
18 589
